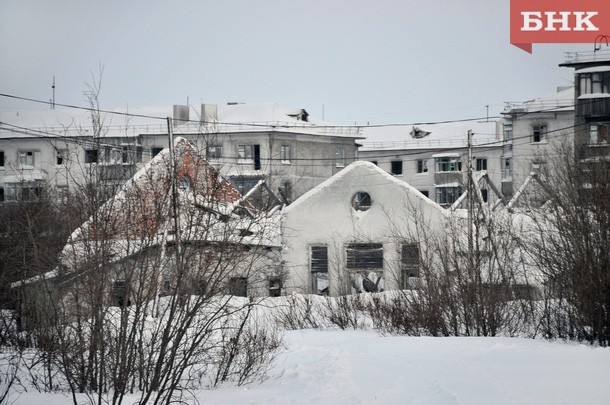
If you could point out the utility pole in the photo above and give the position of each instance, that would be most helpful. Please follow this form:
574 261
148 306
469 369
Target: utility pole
470 202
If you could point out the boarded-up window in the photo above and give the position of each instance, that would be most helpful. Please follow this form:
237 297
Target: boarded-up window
364 256
319 269
409 263
319 259
238 286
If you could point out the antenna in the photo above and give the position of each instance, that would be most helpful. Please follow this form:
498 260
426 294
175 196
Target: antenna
53 87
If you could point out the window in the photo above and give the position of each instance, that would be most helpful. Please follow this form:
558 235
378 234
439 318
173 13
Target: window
61 156
340 157
131 154
481 164
374 162
425 193
184 184
1 194
364 256
539 133
485 195
91 155
449 164
1 158
598 133
26 158
285 154
508 133
238 286
422 166
447 195
275 287
286 190
396 167
594 83
250 154
319 259
246 153
215 152
361 201
507 168
409 264
23 191
155 150
121 296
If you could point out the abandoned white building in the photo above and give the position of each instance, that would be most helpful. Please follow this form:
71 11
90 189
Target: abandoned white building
357 232
433 158
287 148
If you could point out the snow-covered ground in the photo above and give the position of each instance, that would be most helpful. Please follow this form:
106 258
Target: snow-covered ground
360 367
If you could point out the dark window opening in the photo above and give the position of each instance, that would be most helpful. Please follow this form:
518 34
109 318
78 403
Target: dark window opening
425 193
91 155
238 286
481 164
539 133
275 287
422 166
409 262
121 294
1 158
257 157
154 151
396 167
361 201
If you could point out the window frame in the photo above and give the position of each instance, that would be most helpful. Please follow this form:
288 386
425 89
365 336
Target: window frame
409 264
539 133
92 156
396 167
27 158
285 154
604 139
422 166
340 156
364 256
507 168
245 153
362 201
447 195
481 164
448 164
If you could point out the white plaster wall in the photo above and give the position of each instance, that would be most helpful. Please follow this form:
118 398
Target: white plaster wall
325 215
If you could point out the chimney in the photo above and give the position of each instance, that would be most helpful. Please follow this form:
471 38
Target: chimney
209 113
181 114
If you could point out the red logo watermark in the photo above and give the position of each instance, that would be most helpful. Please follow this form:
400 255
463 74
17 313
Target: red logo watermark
557 21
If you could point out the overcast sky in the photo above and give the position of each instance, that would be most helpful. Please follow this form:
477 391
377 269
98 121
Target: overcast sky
364 61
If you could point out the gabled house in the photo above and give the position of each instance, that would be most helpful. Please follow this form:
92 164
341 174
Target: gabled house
176 227
359 231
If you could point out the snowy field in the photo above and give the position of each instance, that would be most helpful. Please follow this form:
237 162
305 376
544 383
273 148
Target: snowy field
359 367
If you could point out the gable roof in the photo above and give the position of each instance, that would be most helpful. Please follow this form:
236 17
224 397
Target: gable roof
366 173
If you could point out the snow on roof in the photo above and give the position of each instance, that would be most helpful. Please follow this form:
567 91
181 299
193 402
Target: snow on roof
440 135
153 120
594 69
561 101
364 172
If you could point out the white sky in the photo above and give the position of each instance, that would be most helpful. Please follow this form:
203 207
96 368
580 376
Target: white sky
371 61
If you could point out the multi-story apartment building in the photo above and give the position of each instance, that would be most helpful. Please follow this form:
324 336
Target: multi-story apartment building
433 158
288 149
591 99
534 131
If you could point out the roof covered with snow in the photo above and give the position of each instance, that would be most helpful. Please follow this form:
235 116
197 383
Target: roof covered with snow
234 117
429 136
563 100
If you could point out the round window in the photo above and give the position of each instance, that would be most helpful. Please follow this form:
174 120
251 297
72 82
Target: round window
361 201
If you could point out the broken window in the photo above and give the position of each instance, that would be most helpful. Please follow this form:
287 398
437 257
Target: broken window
238 286
60 156
409 263
364 256
155 150
396 167
539 133
121 295
275 287
318 264
361 201
422 166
